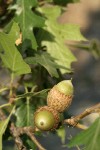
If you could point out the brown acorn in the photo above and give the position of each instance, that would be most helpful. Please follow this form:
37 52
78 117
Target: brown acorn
46 118
60 96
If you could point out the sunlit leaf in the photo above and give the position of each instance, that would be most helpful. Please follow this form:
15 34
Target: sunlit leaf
54 35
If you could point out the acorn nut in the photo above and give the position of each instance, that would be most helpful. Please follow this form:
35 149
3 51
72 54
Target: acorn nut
46 118
60 96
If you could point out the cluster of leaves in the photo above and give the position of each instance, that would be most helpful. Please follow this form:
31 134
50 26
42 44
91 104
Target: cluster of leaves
89 138
40 57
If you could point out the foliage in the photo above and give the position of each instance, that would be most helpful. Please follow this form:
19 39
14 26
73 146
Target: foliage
89 138
46 61
24 12
3 126
10 54
54 35
37 62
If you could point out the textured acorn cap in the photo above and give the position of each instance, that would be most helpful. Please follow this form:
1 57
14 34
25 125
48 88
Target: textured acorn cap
53 113
60 96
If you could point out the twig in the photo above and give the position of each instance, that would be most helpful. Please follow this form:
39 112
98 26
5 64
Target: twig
5 105
17 131
88 111
3 89
32 137
27 105
81 126
11 101
74 120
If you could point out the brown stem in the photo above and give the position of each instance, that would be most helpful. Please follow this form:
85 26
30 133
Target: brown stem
81 126
17 131
32 137
19 143
74 120
88 111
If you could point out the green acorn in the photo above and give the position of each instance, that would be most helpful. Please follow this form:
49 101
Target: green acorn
60 96
46 118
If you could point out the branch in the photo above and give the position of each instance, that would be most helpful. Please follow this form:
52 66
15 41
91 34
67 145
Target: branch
5 105
15 133
32 137
3 89
18 131
74 120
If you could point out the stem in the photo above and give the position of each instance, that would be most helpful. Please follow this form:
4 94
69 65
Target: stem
74 120
32 137
28 108
9 104
15 134
5 105
33 88
81 126
11 85
78 147
4 89
87 112
18 131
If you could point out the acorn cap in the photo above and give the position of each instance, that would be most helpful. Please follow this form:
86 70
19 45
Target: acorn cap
65 87
46 118
60 96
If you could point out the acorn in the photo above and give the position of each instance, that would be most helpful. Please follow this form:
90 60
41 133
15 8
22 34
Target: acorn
60 96
46 118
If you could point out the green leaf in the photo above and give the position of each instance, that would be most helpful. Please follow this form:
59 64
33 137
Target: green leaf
9 53
61 133
31 145
24 115
90 138
28 107
54 35
28 20
39 94
28 143
46 61
3 126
